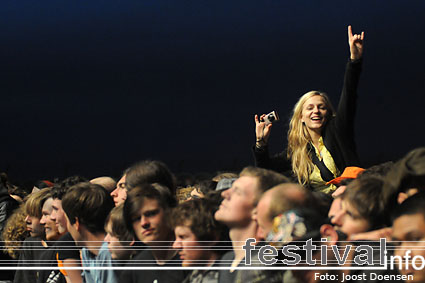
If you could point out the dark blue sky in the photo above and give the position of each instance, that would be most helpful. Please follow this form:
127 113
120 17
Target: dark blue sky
90 87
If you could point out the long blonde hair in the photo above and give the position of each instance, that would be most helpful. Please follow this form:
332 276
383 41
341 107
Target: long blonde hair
299 138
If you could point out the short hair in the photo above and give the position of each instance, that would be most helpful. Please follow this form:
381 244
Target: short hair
90 204
135 198
118 227
60 188
412 205
280 202
366 195
266 178
34 202
150 171
198 215
105 181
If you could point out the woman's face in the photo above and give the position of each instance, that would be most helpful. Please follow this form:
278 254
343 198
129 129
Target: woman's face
314 112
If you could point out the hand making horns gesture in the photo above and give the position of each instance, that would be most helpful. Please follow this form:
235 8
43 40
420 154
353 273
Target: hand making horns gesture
356 44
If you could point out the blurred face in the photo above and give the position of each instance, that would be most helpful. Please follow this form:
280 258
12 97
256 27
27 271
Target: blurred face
73 230
265 224
120 193
58 215
348 220
150 225
191 251
33 225
314 112
50 228
238 203
117 250
410 228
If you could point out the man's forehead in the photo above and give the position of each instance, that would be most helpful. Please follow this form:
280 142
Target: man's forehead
410 222
246 182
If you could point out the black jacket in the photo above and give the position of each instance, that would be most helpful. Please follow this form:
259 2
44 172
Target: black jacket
337 134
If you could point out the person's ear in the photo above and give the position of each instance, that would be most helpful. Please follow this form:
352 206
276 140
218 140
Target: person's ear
77 224
328 231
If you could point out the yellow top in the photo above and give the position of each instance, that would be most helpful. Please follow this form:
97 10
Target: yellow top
316 180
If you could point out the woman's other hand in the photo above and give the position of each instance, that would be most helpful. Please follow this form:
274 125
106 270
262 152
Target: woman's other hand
262 131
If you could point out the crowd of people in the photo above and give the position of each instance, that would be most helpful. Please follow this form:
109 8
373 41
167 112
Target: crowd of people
309 214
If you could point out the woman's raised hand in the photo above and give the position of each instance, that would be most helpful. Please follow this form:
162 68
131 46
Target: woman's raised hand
262 131
356 44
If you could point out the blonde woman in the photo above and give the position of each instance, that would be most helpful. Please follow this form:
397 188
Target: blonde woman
320 140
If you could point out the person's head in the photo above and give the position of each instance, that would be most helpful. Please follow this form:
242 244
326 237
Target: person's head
201 189
33 207
107 182
58 191
150 171
119 239
86 207
409 233
119 194
240 200
277 200
15 232
310 114
406 177
362 207
146 212
50 228
295 227
196 232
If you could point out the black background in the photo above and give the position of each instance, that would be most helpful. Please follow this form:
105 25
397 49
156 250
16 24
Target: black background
90 87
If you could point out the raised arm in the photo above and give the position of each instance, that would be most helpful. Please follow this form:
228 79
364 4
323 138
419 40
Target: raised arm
355 41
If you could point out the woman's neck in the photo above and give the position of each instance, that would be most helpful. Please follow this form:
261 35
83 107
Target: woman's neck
315 135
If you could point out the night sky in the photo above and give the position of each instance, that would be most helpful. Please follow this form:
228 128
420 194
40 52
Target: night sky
90 87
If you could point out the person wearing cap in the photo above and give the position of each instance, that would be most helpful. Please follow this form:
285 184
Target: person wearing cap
300 225
320 141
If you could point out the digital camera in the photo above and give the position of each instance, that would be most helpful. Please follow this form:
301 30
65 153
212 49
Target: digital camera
270 118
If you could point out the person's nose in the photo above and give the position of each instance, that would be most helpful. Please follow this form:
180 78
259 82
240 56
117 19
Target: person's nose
226 193
114 193
27 218
337 218
144 221
177 244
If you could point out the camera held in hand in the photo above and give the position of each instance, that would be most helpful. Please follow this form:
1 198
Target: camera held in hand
270 118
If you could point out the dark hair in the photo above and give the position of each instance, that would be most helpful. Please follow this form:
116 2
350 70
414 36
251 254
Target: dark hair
205 186
90 204
366 195
412 205
150 171
60 188
135 199
198 215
